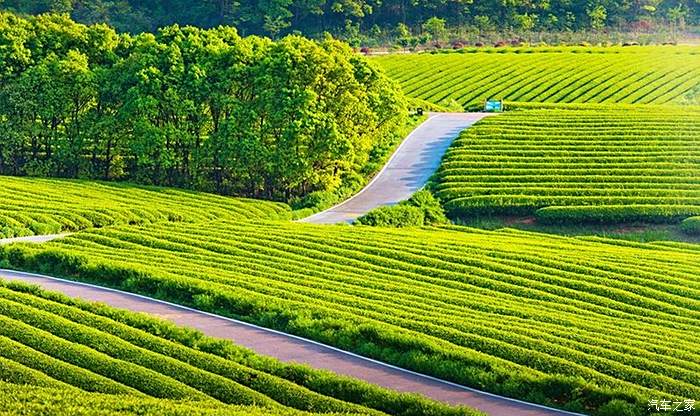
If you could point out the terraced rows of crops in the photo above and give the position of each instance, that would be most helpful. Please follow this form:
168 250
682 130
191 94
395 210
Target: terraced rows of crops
31 206
58 401
84 351
639 75
603 164
542 318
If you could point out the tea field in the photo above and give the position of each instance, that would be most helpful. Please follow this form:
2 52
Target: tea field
570 322
633 75
30 206
72 355
595 164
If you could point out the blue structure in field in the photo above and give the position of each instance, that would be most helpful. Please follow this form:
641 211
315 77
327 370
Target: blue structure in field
493 106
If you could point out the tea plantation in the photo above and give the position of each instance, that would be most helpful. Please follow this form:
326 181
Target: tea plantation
571 322
633 75
49 206
74 357
587 164
592 136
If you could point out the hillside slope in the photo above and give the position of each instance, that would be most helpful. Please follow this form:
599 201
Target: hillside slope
633 75
561 321
31 206
601 164
61 349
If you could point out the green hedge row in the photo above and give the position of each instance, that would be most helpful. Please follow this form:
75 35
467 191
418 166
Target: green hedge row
644 76
547 156
612 214
33 206
282 391
60 401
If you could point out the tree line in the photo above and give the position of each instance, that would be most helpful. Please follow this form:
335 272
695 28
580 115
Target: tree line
377 19
188 107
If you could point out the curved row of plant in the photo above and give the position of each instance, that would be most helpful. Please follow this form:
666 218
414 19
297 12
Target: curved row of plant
585 75
554 320
60 401
32 206
602 165
51 341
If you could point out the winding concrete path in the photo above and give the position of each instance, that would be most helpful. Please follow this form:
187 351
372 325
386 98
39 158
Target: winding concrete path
291 348
408 170
32 239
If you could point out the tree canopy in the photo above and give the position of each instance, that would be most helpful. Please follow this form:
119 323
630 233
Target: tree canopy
375 17
189 107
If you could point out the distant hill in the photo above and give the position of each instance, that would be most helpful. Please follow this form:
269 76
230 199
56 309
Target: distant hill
375 19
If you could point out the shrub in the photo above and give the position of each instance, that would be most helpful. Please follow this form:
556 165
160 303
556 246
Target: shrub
691 226
421 209
394 216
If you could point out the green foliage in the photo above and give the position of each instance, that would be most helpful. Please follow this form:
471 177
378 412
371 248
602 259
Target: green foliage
108 339
629 75
50 206
395 216
435 27
431 207
278 17
619 408
187 107
512 312
57 401
691 226
600 164
421 209
615 214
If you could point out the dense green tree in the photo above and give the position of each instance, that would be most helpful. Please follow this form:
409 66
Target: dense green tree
277 18
189 107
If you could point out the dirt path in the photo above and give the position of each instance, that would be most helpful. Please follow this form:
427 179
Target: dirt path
291 348
408 170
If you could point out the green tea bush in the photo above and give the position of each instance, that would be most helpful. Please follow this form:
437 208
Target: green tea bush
50 340
611 75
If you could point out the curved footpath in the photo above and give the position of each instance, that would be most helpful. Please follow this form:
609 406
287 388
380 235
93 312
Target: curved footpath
408 170
288 348
32 239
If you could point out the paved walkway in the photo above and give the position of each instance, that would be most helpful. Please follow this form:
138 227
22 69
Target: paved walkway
31 239
291 348
408 170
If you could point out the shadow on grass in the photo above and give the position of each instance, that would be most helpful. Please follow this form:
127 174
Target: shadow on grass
640 232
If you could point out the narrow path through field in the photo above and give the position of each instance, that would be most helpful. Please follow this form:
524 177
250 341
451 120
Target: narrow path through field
408 170
31 239
291 348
